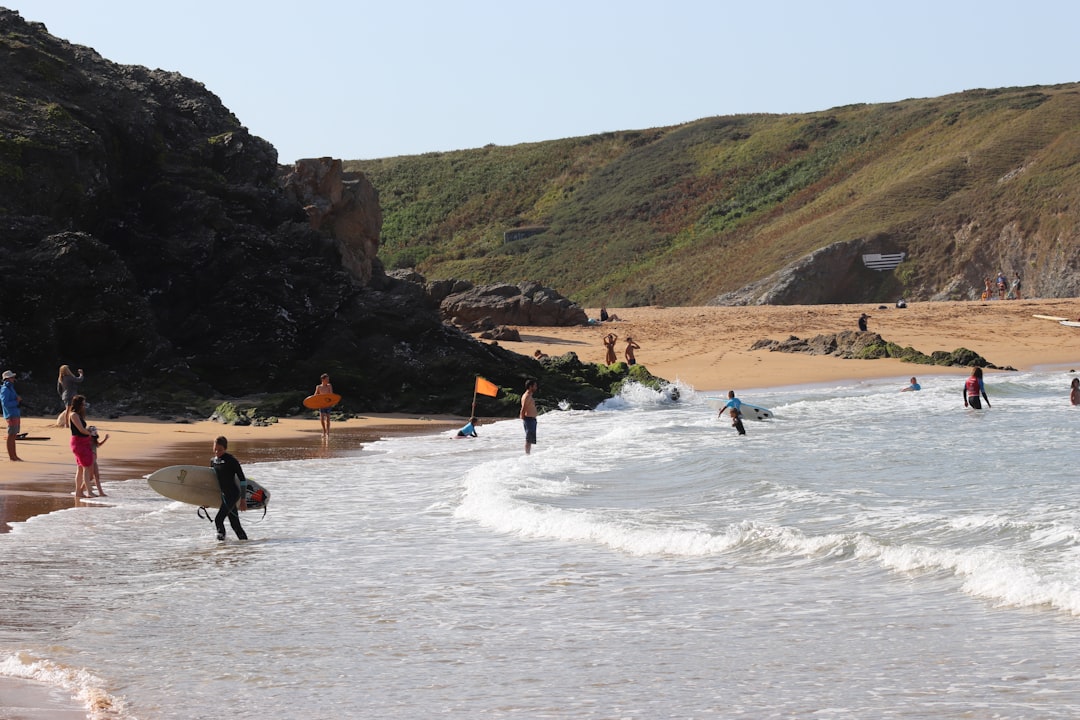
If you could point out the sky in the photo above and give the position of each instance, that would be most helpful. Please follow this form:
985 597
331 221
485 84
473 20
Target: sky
355 79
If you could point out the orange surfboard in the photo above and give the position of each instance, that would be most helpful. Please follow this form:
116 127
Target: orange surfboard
318 402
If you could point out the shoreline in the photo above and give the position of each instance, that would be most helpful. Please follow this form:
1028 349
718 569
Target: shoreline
705 347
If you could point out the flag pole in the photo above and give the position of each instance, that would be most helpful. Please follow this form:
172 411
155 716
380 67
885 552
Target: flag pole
473 413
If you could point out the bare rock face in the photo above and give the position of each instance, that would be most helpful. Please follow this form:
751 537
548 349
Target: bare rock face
343 205
527 303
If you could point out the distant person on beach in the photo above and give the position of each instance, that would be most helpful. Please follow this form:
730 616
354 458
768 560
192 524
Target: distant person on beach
609 344
66 383
973 388
528 413
10 400
988 289
862 322
82 447
631 346
605 317
1014 291
540 355
324 388
1074 393
913 386
734 405
469 430
1001 284
95 443
233 484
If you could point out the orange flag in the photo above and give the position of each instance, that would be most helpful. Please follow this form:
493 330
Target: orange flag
486 387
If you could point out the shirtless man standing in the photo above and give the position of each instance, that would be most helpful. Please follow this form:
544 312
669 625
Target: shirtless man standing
324 388
528 414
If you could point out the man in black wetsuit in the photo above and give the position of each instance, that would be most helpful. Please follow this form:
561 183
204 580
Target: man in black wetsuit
231 480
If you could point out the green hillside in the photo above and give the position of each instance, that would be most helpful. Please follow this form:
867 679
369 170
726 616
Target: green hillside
966 185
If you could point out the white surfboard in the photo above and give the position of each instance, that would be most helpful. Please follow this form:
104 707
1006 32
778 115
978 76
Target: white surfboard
1070 323
1057 318
749 412
198 485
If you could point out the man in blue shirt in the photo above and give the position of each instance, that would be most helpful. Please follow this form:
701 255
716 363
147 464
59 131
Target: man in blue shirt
735 404
10 399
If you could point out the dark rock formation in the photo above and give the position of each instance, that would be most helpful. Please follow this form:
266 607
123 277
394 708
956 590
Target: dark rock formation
148 237
502 333
528 303
852 344
833 274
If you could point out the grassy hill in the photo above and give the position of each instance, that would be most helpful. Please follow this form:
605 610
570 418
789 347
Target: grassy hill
966 185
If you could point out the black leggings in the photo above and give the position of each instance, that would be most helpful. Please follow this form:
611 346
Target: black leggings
228 508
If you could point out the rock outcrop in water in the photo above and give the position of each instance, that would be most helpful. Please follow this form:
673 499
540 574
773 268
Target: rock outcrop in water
851 344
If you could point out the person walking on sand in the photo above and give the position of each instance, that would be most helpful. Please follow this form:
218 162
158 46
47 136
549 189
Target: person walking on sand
1074 392
973 388
528 413
1015 290
862 322
913 386
65 387
324 388
81 447
233 485
609 348
631 346
10 400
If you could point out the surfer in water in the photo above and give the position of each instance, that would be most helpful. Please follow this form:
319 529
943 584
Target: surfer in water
324 388
1074 391
233 484
735 405
469 430
528 413
973 387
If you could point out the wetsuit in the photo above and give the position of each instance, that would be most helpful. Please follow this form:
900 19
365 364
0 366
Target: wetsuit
973 386
231 480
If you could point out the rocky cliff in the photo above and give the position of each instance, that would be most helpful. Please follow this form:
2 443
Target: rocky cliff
148 237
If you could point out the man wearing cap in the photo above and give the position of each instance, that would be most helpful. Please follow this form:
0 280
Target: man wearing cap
9 399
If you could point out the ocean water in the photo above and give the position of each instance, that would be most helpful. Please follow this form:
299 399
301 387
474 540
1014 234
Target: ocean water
867 553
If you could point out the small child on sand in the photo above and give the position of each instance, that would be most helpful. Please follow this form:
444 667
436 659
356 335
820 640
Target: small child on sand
95 472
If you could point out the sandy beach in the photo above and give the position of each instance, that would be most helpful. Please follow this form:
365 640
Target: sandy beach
706 347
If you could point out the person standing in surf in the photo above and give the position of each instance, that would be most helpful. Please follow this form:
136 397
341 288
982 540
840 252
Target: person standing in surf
232 482
1074 391
734 404
528 413
973 388
324 388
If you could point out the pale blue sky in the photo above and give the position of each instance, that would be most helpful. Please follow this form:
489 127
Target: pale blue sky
356 79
